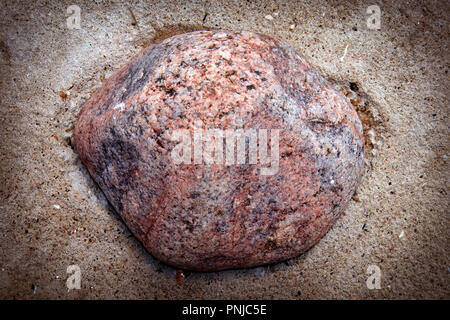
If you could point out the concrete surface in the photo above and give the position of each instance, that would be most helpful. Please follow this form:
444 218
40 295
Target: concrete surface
52 215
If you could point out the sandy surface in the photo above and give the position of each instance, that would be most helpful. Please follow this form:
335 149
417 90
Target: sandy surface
52 215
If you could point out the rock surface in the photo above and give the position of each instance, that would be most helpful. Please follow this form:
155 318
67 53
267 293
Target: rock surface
213 217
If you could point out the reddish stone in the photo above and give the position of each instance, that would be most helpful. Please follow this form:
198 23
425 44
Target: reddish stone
212 217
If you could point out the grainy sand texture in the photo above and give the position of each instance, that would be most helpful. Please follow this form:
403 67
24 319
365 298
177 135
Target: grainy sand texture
52 214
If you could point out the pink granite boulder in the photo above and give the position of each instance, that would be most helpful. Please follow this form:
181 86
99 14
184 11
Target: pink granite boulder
202 215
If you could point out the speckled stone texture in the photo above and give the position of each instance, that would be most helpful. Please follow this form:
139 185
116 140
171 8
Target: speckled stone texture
213 217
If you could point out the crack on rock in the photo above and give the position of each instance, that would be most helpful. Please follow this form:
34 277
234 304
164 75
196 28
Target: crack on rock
367 109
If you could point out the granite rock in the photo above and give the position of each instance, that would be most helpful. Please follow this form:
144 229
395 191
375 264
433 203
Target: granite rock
215 216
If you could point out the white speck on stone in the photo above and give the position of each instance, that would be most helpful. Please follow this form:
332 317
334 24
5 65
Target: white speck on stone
402 234
226 55
268 17
332 181
292 27
219 35
119 106
56 206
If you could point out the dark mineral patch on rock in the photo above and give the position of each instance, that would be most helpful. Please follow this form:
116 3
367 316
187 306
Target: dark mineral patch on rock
217 216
